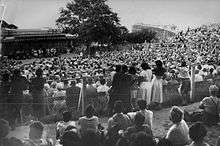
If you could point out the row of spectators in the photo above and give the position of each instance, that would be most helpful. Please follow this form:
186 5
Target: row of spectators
122 130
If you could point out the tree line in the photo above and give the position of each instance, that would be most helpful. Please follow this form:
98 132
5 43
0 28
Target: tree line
94 21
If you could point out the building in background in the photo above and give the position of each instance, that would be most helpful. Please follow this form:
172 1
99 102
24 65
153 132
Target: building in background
17 43
162 31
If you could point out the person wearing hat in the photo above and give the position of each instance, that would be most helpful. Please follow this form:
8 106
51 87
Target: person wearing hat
211 106
178 133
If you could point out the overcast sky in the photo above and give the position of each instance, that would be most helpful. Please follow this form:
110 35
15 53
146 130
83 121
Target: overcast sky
183 13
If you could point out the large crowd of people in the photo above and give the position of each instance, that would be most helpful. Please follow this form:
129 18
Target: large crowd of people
110 79
122 129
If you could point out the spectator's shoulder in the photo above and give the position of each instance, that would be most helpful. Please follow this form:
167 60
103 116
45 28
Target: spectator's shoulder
206 99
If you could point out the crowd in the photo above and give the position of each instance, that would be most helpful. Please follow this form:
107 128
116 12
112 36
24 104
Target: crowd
122 130
57 84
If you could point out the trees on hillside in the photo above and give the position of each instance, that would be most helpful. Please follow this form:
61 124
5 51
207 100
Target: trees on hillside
92 21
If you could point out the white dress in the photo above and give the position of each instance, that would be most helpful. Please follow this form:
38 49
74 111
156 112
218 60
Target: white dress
146 85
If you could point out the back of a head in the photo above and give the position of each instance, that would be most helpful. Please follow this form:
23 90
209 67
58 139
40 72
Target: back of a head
124 68
176 114
118 68
197 132
39 72
142 104
145 66
164 142
159 63
213 90
118 107
102 81
70 138
132 70
142 139
90 111
139 119
67 116
17 72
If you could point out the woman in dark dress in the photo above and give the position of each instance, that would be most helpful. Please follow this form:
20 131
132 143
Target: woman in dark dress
37 92
4 92
15 100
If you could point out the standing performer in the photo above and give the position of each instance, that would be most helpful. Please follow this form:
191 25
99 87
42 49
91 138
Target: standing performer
121 85
157 87
38 94
146 85
184 83
15 100
72 97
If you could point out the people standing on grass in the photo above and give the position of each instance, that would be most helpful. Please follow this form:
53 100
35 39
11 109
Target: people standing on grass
38 94
157 87
184 82
146 84
15 100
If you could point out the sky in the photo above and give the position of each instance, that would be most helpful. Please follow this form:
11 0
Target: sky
30 14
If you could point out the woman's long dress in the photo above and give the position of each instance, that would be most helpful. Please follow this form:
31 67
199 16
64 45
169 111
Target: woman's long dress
38 94
157 87
146 85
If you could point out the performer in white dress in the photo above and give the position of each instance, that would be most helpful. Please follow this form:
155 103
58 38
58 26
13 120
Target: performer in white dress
157 87
146 85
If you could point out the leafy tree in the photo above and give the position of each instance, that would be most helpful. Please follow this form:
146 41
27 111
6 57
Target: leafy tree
92 21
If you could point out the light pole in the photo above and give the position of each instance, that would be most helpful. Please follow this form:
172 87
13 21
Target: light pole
2 17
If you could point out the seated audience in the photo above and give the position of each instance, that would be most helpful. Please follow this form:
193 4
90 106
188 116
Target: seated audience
138 126
197 132
178 133
211 106
142 104
142 139
61 126
70 138
118 118
89 121
35 136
